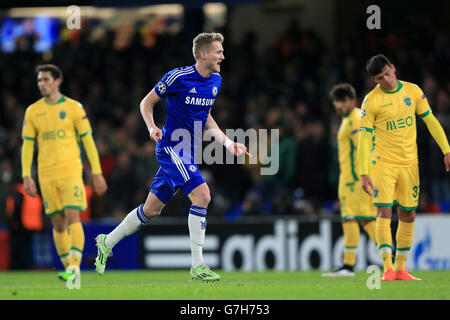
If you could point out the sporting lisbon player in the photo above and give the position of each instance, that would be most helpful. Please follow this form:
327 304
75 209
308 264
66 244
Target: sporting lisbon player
190 93
356 205
389 113
58 123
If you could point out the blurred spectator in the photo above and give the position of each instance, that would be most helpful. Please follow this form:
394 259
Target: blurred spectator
428 206
24 216
123 185
6 183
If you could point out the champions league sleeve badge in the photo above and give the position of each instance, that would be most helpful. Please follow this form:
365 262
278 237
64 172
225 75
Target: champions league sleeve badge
161 87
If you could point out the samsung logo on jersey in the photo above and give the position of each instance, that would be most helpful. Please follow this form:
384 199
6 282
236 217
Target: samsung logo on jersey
199 101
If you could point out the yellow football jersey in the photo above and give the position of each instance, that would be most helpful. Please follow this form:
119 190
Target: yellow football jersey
391 116
348 136
57 127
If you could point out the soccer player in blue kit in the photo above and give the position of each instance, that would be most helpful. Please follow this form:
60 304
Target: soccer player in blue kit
190 93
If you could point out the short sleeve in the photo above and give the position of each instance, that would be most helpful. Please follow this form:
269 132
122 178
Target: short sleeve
81 121
367 114
170 83
28 129
422 107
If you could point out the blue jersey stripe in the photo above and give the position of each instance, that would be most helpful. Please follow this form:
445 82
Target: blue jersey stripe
177 161
178 73
169 83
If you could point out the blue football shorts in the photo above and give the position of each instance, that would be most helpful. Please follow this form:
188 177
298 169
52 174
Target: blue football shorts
173 174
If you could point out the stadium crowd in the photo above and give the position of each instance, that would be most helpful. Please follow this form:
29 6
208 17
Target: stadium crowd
284 87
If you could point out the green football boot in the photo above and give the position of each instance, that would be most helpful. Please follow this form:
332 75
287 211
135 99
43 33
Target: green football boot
64 275
103 252
202 272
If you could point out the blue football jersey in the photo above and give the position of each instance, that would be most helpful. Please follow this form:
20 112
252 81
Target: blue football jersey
189 97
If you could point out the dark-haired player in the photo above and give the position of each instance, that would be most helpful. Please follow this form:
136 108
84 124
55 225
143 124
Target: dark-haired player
356 206
389 112
57 123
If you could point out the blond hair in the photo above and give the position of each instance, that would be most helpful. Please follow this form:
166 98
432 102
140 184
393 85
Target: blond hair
203 40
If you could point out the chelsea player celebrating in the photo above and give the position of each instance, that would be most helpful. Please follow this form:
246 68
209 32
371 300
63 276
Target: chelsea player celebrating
190 93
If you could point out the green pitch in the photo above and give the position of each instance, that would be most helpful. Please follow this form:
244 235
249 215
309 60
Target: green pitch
177 285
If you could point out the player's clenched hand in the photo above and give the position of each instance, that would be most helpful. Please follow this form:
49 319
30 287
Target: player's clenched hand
447 161
99 184
238 148
366 184
155 134
30 186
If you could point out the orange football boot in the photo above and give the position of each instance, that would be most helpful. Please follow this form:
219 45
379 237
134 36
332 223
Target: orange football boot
389 275
404 275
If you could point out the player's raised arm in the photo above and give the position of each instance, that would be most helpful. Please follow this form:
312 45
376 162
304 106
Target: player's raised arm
213 127
234 147
146 108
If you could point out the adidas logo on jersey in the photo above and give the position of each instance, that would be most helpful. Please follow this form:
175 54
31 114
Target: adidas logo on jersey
193 90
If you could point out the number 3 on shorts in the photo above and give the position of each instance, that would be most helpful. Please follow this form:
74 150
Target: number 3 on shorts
416 191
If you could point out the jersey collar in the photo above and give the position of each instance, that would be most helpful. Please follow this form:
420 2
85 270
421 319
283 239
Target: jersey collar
198 73
62 99
399 87
348 113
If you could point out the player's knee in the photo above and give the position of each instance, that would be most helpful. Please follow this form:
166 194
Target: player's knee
59 227
203 199
151 212
384 212
59 222
407 216
72 216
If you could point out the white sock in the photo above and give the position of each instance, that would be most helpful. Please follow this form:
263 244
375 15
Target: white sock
197 230
132 222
